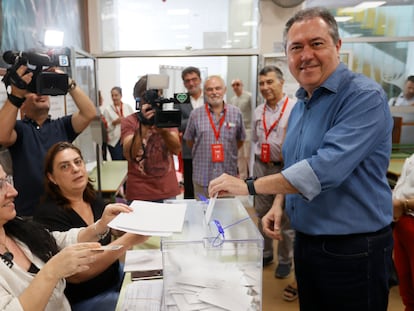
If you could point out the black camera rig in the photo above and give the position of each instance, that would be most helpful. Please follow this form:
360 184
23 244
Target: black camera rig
166 116
43 82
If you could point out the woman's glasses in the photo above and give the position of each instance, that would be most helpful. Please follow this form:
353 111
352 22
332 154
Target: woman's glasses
4 181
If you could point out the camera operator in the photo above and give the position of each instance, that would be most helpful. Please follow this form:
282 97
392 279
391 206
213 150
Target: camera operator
149 151
29 139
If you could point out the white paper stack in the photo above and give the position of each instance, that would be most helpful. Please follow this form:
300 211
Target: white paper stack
152 219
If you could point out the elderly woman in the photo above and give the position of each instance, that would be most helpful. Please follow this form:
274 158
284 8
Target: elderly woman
34 262
72 202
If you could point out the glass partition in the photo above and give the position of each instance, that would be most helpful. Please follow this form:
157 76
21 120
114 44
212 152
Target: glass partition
142 25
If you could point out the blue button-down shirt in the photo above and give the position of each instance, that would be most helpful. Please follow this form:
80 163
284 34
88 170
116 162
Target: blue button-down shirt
336 153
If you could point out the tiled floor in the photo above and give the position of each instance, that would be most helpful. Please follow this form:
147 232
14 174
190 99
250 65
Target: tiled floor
273 289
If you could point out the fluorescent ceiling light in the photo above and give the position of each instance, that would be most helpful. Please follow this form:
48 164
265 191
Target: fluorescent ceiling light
182 36
250 23
53 38
342 19
180 27
369 5
178 12
362 6
240 34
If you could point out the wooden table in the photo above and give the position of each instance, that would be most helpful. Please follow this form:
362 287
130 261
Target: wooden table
394 171
113 176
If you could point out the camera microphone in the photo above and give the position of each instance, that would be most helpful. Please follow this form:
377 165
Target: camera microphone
32 58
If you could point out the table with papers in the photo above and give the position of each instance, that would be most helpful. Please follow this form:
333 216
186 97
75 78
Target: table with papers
198 272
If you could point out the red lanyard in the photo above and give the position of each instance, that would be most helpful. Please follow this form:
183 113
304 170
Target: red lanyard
119 112
267 132
216 132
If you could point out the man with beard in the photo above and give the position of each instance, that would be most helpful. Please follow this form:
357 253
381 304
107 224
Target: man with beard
215 132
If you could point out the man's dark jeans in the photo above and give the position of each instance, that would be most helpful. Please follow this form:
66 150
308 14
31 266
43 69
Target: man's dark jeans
349 272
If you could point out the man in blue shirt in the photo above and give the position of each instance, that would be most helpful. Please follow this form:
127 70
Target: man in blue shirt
336 154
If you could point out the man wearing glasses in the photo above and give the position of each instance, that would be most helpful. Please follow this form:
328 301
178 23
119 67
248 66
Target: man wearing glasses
192 82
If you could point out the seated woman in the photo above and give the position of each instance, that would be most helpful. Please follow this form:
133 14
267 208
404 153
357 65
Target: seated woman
72 202
35 262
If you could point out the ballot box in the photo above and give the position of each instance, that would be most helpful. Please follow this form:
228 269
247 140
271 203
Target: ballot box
215 264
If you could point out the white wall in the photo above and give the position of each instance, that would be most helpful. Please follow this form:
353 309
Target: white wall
272 24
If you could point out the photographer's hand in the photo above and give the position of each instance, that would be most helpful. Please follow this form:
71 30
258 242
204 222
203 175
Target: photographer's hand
9 111
147 111
171 138
26 77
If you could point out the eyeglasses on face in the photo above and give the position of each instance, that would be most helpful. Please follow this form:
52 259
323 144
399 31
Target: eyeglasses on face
4 181
235 84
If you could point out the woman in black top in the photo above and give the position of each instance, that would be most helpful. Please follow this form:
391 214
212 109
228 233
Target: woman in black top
71 202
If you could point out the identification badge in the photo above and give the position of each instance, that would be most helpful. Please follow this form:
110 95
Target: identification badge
265 154
217 152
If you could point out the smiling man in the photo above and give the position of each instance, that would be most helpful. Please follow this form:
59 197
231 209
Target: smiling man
336 155
269 130
215 132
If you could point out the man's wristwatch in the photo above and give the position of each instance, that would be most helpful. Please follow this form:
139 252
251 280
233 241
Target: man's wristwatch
250 185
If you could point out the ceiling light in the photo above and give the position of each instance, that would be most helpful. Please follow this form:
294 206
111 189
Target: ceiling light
53 38
369 5
180 27
342 19
250 23
240 34
178 12
361 7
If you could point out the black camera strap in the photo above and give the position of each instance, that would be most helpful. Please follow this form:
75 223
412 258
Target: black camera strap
11 76
16 101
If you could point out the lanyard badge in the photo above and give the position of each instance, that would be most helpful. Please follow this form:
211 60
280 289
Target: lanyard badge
217 150
265 154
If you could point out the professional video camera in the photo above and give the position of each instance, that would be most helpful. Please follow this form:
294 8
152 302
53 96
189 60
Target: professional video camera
43 82
165 115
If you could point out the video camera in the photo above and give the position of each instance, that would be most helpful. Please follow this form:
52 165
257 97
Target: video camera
166 116
43 82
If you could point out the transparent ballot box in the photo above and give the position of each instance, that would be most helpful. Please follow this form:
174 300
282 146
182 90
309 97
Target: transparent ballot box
215 265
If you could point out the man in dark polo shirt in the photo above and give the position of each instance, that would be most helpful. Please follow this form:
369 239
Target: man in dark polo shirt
29 139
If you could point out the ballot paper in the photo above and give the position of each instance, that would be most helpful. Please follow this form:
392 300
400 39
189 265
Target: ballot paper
143 296
152 219
210 208
143 260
